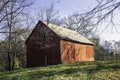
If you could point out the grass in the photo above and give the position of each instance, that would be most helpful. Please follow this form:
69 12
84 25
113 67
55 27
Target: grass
98 70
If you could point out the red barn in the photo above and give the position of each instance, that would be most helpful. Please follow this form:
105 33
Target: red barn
50 44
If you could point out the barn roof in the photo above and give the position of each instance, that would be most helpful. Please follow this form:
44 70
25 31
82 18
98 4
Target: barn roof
65 33
68 34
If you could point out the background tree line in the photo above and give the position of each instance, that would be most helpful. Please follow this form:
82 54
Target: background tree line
106 50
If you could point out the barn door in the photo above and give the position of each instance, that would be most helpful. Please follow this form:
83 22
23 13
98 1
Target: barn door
39 59
54 56
89 53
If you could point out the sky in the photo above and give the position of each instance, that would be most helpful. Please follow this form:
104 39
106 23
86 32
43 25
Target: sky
68 7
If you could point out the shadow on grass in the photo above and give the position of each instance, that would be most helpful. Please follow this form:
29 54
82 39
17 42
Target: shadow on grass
71 70
89 71
100 66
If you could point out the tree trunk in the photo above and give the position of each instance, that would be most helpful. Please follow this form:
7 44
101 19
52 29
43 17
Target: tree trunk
9 61
13 62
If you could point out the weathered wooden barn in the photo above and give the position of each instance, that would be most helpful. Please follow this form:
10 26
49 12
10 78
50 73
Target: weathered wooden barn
50 44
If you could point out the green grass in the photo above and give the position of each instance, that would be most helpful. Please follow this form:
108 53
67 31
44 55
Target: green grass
98 70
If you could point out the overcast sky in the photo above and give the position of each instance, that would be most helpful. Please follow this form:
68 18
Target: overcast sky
68 7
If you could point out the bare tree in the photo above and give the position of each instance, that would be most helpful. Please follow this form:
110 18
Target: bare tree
103 13
116 49
105 10
48 14
10 19
18 48
77 22
3 4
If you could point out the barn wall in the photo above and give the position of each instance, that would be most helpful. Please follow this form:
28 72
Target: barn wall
42 53
76 52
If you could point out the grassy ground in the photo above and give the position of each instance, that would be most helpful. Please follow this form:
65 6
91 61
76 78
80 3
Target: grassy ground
98 70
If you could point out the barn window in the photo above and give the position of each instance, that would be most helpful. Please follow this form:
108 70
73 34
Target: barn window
41 37
41 34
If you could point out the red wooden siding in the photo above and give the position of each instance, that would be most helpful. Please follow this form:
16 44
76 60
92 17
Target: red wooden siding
76 52
42 53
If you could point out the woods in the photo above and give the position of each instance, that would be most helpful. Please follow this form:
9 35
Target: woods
107 50
10 21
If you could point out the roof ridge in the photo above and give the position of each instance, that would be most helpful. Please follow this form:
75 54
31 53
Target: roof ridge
68 33
59 26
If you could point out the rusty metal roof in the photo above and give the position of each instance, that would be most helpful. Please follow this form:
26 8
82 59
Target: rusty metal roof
68 34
